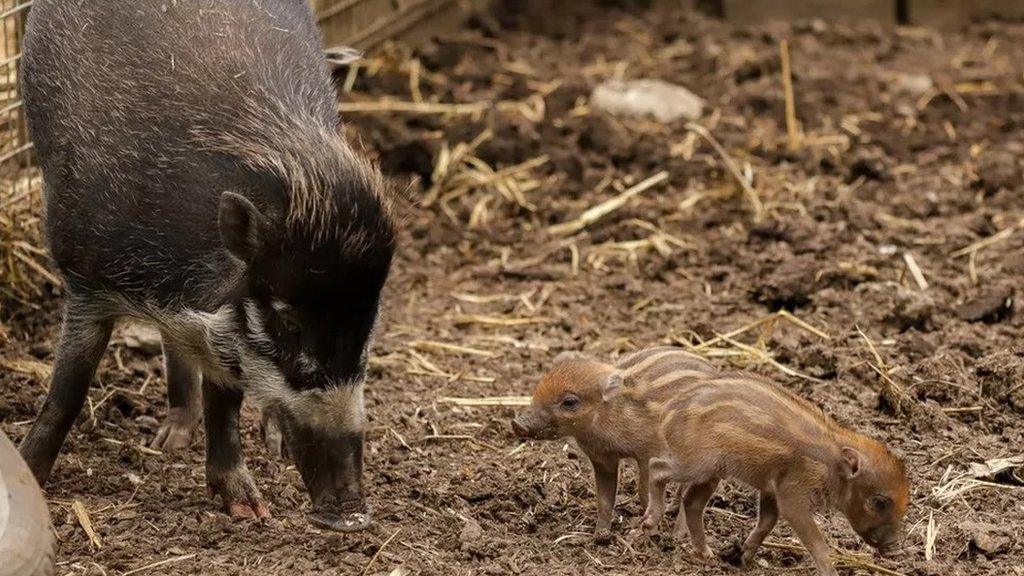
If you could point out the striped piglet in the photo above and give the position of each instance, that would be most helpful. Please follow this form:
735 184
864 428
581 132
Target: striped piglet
685 422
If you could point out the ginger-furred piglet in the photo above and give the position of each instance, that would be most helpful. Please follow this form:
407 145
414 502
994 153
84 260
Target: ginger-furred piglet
742 427
612 411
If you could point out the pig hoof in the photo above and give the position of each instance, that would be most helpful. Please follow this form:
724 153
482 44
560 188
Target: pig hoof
648 523
602 537
172 435
747 559
239 493
252 509
343 522
705 555
272 436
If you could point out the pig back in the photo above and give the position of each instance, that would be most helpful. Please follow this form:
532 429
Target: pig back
130 105
661 373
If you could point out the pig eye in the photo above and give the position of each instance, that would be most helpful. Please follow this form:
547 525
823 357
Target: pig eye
288 321
879 504
570 402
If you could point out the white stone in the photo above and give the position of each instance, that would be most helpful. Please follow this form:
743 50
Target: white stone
648 97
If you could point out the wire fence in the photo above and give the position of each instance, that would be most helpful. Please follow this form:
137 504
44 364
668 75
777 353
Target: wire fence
15 148
23 272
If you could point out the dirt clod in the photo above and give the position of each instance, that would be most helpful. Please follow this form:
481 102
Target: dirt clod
990 305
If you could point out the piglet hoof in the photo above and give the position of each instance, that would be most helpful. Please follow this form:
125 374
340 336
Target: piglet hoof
239 494
648 523
603 537
748 557
346 518
705 555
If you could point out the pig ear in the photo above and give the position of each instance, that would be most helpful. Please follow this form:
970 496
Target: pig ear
851 462
239 221
612 386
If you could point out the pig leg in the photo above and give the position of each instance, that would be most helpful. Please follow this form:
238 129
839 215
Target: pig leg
606 480
767 516
691 509
83 339
226 473
661 471
270 430
799 514
643 481
184 398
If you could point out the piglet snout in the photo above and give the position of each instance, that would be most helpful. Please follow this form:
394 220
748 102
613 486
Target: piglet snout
519 429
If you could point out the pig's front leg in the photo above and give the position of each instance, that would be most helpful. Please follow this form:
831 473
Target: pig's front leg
767 516
226 472
643 482
184 399
800 515
606 481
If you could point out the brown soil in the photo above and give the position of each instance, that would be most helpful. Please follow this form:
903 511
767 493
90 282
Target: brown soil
886 172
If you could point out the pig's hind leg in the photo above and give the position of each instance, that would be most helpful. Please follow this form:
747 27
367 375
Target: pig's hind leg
661 470
83 338
691 514
767 516
226 472
270 431
184 399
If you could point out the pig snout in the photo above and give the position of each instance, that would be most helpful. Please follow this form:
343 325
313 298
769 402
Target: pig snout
533 426
519 428
885 539
331 466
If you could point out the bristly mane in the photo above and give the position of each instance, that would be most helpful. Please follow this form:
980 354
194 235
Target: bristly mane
320 170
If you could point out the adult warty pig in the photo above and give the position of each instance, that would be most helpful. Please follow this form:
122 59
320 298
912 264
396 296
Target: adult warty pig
195 177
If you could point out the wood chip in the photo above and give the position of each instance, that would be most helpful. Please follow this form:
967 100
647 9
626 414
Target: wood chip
86 523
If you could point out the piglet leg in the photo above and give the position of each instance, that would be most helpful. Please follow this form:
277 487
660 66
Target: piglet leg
643 481
660 474
692 510
606 480
226 472
767 516
799 514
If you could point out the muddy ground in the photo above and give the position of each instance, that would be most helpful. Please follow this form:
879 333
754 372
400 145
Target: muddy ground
911 149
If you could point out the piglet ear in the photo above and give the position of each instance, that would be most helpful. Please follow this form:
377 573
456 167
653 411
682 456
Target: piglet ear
852 461
612 386
240 226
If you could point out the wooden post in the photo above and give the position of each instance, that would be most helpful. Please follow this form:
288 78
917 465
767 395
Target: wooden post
939 13
1013 9
753 11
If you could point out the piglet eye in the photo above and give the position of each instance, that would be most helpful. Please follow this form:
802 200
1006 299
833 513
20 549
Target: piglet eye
570 402
880 504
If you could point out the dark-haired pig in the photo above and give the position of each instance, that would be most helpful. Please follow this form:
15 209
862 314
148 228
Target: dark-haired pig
612 411
746 428
195 177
